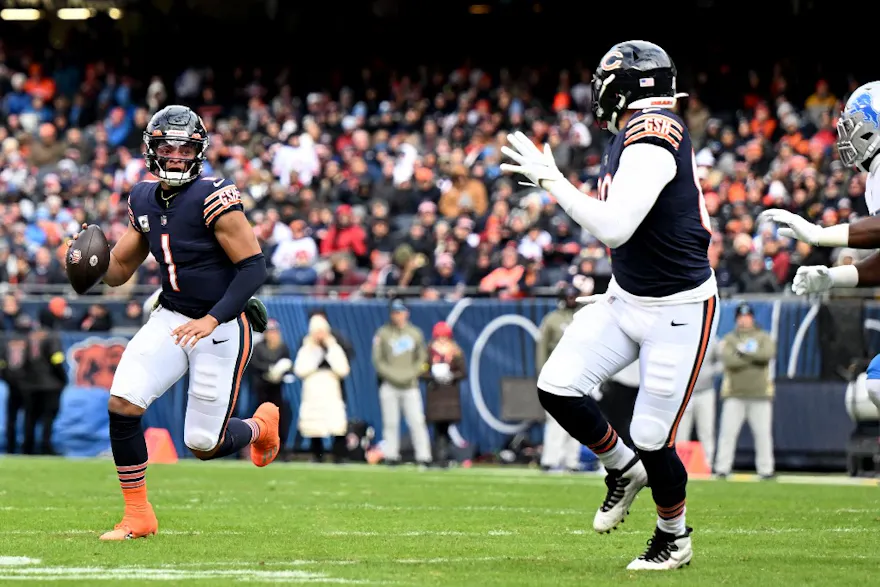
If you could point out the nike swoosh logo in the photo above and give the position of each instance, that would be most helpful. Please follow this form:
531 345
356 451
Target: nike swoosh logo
219 341
217 183
674 323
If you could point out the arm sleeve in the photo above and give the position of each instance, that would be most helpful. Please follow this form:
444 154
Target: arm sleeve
251 274
645 169
225 198
131 218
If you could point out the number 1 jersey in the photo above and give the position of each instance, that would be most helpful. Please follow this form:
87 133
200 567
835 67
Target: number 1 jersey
195 269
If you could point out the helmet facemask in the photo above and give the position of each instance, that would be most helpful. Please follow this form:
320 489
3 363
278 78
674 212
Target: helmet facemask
161 150
857 142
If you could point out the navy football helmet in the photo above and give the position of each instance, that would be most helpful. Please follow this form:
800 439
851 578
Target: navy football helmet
175 127
631 76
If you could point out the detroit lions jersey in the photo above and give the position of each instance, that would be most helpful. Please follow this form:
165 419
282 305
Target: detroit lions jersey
872 192
195 269
668 253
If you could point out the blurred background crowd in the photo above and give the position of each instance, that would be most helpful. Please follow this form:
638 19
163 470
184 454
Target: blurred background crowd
392 179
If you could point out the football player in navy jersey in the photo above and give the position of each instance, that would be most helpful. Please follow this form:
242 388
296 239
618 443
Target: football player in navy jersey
211 266
661 304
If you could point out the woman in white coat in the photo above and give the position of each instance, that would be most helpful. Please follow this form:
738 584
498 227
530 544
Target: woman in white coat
321 365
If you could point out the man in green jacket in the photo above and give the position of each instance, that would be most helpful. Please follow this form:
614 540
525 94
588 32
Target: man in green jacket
400 356
747 391
561 451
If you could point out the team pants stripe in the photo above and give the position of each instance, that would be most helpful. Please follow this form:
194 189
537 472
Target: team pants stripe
245 347
709 308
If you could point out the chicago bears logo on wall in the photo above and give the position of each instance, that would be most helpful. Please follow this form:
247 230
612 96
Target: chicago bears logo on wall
94 360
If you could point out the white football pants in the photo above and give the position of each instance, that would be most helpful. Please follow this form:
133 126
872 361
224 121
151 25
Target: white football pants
561 450
701 409
393 401
670 342
759 414
152 362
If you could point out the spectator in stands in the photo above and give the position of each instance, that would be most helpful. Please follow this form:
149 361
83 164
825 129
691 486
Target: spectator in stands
96 319
327 159
132 317
11 312
747 391
758 277
504 281
57 315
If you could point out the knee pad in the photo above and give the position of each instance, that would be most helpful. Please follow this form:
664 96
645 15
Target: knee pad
648 433
205 378
199 439
873 388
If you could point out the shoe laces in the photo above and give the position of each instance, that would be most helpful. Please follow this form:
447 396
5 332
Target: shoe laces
659 547
616 489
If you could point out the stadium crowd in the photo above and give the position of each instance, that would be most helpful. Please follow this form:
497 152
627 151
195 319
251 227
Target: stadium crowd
394 180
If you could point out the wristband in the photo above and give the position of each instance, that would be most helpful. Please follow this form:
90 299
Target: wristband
844 276
834 236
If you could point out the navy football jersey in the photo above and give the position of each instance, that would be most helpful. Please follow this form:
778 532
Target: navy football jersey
668 253
195 269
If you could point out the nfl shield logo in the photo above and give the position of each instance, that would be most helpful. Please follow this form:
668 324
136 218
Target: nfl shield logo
163 220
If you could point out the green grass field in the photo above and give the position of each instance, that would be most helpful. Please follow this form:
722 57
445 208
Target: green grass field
229 522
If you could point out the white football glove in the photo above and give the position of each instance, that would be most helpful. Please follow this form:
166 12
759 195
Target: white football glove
533 163
814 279
792 225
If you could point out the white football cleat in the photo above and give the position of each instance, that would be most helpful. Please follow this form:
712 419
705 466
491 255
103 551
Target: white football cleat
623 487
665 552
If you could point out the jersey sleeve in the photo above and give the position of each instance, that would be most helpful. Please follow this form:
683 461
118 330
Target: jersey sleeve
225 198
655 128
132 219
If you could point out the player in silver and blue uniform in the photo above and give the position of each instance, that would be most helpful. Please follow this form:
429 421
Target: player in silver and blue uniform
858 144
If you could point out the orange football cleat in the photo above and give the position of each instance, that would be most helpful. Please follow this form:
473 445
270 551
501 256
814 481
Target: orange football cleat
265 448
134 524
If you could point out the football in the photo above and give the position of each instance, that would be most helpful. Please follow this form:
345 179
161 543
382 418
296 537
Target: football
88 259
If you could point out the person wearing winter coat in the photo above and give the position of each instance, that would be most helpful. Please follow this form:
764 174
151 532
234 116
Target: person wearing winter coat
321 365
447 371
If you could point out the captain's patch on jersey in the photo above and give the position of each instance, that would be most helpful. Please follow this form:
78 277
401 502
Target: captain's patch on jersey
655 126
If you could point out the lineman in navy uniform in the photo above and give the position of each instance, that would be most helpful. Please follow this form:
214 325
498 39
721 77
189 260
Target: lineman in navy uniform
211 266
660 307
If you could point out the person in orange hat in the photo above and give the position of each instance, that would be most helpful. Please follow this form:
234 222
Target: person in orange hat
57 315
